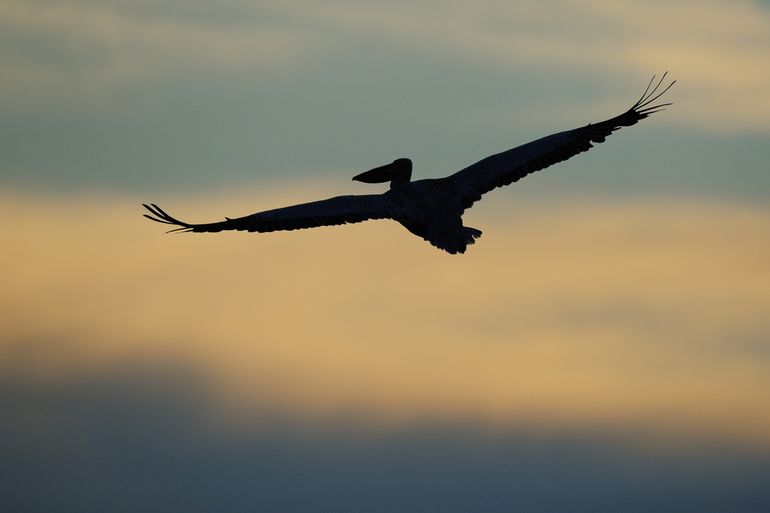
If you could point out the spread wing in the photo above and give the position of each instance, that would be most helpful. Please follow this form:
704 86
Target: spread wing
332 211
509 166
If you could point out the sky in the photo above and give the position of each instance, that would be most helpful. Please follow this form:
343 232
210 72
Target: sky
605 345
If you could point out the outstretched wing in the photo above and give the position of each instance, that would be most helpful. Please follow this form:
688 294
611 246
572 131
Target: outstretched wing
509 166
332 211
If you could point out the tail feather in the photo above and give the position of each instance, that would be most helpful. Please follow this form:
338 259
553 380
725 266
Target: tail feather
455 244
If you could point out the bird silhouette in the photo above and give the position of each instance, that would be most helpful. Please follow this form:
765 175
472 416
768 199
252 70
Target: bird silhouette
432 208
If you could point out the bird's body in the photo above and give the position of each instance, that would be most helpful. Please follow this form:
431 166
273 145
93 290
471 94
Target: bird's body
431 208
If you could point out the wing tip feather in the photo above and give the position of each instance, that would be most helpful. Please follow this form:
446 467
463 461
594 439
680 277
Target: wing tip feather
161 216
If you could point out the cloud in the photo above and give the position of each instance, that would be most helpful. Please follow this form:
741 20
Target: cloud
649 315
78 51
145 438
717 48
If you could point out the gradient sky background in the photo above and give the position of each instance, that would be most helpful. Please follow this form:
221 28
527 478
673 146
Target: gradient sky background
605 345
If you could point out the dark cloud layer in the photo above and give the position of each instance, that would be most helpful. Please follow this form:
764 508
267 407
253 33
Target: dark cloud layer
147 440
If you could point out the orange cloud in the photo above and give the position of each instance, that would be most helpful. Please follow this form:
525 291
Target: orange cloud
651 314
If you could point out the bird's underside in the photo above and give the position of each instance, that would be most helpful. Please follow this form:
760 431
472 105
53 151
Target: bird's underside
432 209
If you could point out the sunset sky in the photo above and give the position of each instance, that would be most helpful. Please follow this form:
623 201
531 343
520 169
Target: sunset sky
604 346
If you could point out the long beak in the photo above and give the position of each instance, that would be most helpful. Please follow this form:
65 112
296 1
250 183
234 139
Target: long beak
377 175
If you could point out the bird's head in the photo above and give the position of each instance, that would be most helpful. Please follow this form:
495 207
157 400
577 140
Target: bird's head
397 172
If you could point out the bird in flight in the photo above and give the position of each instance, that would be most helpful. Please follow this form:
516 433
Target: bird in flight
432 208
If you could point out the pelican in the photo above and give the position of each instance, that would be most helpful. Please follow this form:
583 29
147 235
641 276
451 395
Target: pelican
432 208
